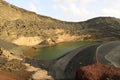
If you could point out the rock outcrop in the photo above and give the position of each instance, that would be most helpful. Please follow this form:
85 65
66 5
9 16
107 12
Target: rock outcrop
98 72
28 41
39 74
9 55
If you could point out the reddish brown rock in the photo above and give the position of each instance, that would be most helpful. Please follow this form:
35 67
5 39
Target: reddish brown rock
98 72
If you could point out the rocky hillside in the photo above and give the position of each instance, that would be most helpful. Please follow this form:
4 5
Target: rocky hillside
28 28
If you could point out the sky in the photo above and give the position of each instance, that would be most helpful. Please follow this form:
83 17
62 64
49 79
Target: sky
71 10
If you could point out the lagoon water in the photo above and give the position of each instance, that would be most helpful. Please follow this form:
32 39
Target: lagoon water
53 52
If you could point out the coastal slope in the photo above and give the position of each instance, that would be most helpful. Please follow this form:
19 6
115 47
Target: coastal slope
27 28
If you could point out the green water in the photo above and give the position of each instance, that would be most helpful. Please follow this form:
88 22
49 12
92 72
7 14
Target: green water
58 50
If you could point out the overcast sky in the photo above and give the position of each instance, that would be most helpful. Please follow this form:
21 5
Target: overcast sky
71 10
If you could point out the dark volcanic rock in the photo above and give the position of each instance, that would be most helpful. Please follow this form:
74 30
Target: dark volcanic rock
98 72
107 53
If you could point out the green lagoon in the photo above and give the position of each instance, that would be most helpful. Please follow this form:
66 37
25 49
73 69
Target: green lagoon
48 53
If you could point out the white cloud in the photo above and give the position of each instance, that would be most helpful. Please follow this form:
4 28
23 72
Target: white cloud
110 12
76 13
32 7
36 1
85 9
86 3
64 1
54 7
111 8
77 10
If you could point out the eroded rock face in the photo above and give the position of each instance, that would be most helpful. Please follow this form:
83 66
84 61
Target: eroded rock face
98 72
28 41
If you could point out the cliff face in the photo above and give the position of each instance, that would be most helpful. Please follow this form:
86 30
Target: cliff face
16 23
